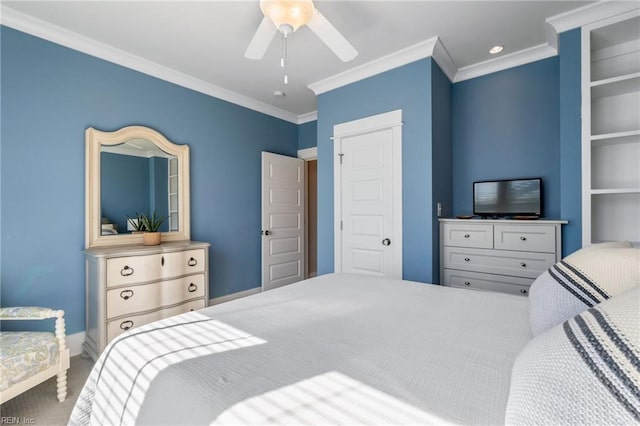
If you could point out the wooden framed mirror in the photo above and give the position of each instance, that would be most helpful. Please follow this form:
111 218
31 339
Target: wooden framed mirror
129 171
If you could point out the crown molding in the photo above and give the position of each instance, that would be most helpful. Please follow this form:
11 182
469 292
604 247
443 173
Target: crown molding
432 47
405 56
36 27
551 35
308 117
521 57
443 59
589 14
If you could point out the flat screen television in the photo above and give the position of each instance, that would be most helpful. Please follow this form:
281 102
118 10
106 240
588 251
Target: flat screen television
511 197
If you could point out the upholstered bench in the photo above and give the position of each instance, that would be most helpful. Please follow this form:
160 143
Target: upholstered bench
28 358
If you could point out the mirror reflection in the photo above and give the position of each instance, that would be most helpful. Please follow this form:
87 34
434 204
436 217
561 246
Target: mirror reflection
137 177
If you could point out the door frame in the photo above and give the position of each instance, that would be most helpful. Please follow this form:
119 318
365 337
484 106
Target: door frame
308 154
389 120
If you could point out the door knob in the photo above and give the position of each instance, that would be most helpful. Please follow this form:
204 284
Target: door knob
265 232
386 242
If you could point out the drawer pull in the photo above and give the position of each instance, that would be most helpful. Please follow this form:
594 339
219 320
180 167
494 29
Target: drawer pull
162 261
524 265
126 294
126 271
126 325
466 235
523 291
467 283
192 262
466 259
192 287
523 238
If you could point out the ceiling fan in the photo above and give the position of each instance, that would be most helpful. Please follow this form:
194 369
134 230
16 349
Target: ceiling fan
286 16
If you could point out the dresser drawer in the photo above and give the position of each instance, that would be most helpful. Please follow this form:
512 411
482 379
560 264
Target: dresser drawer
525 238
468 235
513 263
119 326
488 282
136 269
144 297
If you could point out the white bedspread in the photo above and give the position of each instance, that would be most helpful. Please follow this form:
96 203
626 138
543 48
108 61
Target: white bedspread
338 349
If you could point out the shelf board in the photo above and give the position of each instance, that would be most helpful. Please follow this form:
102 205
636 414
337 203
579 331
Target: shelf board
615 191
615 135
616 85
620 78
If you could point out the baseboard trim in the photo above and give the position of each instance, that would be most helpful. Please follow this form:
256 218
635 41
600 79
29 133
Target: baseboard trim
74 343
233 296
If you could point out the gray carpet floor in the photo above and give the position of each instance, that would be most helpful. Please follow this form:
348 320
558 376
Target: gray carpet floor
40 405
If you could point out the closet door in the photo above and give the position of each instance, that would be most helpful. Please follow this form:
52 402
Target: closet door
368 196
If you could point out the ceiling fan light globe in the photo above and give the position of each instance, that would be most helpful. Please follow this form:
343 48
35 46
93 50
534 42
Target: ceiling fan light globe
290 12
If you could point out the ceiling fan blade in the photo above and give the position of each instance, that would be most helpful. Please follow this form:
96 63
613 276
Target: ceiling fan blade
261 39
332 37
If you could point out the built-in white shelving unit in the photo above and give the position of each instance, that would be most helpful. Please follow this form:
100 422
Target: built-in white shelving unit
611 129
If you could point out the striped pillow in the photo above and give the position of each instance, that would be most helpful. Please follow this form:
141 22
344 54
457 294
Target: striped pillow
584 371
582 280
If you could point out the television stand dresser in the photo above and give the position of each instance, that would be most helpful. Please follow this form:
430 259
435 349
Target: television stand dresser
497 254
129 286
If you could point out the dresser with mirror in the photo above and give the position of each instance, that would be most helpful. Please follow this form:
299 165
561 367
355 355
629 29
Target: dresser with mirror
132 171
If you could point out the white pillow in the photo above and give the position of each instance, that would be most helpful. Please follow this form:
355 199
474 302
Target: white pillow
582 280
584 371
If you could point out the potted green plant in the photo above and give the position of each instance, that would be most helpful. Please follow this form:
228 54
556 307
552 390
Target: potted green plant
136 223
151 236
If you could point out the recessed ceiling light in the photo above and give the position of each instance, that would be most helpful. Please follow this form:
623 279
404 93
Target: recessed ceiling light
496 49
279 94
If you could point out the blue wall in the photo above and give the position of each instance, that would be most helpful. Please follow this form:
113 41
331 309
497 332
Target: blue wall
133 185
50 95
124 187
523 121
407 88
308 135
570 140
507 125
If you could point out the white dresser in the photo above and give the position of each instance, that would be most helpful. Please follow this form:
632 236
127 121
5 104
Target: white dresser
497 255
128 286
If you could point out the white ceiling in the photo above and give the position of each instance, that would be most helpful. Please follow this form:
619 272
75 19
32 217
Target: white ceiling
206 40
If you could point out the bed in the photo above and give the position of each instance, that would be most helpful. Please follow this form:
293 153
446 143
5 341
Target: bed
349 349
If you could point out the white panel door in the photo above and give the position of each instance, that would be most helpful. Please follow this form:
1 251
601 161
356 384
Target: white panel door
369 205
283 183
